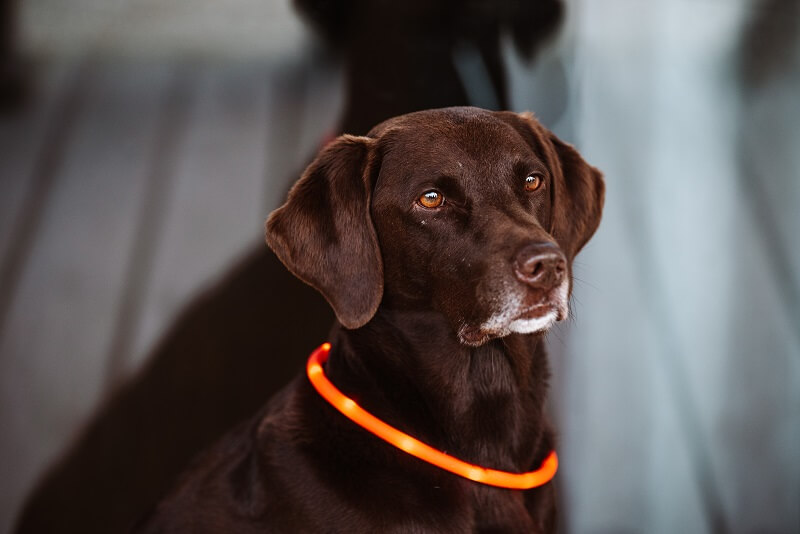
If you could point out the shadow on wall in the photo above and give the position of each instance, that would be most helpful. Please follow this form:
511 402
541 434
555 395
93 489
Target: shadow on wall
13 82
237 344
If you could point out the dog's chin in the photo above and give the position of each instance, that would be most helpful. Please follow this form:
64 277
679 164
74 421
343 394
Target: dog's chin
532 321
519 312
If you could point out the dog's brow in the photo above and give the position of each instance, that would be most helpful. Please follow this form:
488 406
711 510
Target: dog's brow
526 165
450 185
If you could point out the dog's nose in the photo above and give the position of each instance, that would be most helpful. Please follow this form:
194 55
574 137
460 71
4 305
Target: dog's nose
540 265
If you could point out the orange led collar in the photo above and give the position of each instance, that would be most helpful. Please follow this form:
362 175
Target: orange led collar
413 446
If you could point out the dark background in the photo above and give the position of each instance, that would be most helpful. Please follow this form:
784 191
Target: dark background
143 143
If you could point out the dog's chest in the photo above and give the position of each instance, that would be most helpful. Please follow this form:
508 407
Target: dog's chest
498 510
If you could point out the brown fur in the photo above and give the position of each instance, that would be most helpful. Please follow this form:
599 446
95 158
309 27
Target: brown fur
352 229
236 344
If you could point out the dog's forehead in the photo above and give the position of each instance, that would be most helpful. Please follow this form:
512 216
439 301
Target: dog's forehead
451 143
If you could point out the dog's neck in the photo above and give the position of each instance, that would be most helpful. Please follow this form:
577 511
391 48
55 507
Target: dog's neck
483 404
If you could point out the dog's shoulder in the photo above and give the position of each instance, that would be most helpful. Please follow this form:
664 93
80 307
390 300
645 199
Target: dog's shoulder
234 486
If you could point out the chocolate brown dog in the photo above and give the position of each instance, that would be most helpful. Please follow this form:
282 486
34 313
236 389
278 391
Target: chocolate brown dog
443 241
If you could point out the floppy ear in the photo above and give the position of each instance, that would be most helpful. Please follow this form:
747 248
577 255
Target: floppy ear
324 233
577 192
577 200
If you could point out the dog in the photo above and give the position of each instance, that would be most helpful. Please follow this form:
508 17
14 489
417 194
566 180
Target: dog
257 307
443 240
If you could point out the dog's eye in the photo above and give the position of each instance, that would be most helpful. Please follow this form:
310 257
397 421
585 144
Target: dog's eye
533 182
431 199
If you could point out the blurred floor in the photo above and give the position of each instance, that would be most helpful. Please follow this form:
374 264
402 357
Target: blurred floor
159 137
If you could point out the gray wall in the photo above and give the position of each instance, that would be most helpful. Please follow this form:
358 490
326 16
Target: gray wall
678 383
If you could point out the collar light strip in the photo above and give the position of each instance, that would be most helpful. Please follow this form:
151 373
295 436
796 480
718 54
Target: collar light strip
413 446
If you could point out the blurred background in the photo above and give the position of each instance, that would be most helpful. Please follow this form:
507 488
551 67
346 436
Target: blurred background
144 143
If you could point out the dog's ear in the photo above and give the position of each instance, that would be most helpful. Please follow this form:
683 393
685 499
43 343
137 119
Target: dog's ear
324 232
577 192
577 200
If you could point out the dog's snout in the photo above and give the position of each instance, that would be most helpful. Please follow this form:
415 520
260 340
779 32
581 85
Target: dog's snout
540 265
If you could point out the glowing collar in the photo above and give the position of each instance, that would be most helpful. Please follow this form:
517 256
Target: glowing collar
413 446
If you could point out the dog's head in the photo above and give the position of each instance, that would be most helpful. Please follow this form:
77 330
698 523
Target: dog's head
473 214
